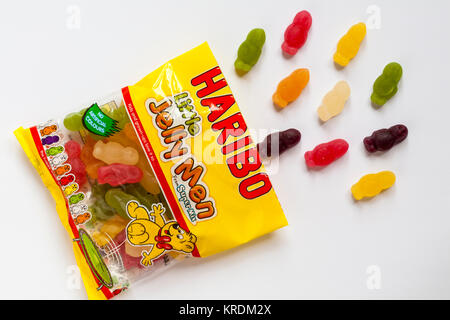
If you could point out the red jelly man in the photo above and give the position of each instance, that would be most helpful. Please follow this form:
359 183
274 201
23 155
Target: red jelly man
296 34
326 153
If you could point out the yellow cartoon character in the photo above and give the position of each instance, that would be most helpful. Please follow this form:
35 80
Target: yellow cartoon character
142 231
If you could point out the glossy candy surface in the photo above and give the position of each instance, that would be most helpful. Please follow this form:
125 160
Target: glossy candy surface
128 138
348 45
296 34
385 139
113 152
117 199
334 101
117 174
109 230
290 88
326 153
73 150
250 50
73 121
279 142
372 184
129 132
100 209
144 198
92 164
386 85
131 255
120 114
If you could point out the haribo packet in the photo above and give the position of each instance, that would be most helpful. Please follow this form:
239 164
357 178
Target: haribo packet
162 170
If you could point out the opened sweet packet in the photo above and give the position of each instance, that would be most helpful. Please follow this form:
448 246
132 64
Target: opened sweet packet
163 170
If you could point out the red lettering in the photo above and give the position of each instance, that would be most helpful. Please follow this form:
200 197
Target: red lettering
211 85
218 106
243 163
234 126
247 193
236 145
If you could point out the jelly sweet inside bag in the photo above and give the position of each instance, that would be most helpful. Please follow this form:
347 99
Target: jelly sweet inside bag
162 170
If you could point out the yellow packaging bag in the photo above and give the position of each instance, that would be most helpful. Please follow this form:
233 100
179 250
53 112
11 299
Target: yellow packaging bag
163 170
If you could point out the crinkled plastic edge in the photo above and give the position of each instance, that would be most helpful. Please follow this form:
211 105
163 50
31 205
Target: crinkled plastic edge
29 146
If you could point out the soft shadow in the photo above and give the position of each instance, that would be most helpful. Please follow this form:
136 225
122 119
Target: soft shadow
240 73
338 66
287 55
375 106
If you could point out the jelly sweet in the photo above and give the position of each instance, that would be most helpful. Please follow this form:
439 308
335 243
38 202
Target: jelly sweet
117 174
140 193
279 142
100 209
348 45
117 199
334 101
386 85
372 184
113 152
296 34
290 88
120 114
92 164
385 139
326 153
131 255
73 121
128 137
73 150
250 50
109 230
129 132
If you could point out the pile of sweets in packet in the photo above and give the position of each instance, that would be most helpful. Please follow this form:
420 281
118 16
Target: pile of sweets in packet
133 182
333 103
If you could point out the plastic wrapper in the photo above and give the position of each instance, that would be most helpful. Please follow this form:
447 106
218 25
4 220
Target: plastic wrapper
159 171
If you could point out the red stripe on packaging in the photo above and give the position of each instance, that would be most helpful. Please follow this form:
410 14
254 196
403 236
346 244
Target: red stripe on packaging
43 155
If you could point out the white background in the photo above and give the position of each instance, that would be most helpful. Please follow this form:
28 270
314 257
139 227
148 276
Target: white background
57 55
